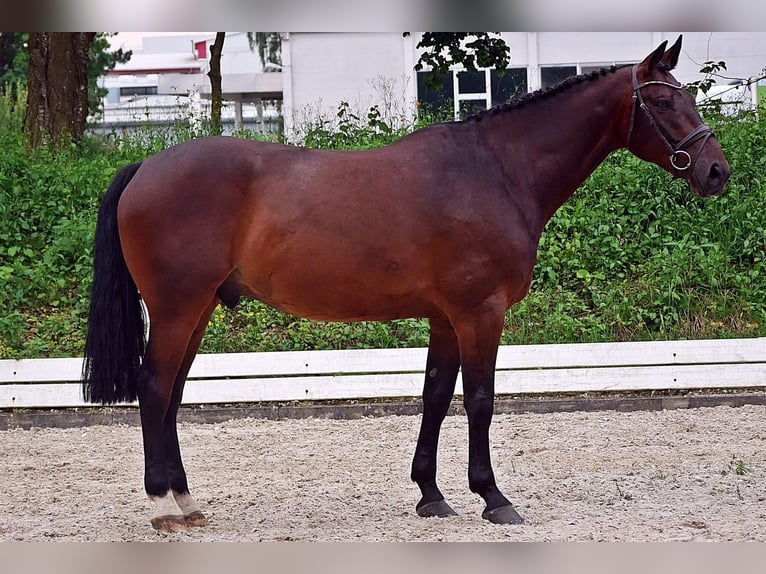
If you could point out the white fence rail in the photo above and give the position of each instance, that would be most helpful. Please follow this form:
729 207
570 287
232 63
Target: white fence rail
388 373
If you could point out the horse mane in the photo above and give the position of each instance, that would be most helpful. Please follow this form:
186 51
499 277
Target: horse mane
543 94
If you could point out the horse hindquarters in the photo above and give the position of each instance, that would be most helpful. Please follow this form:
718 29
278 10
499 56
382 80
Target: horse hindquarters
162 254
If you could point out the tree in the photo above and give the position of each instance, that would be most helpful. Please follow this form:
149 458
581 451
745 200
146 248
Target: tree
269 46
101 60
216 89
57 87
14 63
442 50
13 57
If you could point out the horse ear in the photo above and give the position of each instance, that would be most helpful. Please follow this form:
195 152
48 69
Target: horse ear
670 58
655 57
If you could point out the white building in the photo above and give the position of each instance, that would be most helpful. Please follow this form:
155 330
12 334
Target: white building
321 70
165 81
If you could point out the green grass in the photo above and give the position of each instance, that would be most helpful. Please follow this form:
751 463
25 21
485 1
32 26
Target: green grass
736 466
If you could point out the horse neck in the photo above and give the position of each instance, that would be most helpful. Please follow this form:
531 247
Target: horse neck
549 148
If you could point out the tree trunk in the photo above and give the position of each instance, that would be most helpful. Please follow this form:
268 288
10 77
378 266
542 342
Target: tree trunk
216 90
57 87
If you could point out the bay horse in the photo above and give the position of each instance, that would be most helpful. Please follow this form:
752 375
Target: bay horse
442 224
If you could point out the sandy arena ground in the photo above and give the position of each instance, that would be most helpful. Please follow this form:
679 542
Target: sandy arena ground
696 474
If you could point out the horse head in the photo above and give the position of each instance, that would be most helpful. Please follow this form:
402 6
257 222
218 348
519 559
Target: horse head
666 129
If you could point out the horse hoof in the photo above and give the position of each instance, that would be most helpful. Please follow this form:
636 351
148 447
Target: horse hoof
169 523
196 518
503 515
438 509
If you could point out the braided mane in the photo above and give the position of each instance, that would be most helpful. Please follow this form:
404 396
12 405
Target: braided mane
544 93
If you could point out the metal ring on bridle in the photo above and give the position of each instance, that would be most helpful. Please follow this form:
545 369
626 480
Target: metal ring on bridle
687 163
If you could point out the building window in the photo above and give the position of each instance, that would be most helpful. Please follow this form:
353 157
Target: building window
472 82
509 86
434 102
552 75
138 91
466 93
592 68
472 93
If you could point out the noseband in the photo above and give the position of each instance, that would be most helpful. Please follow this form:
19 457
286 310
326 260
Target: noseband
679 157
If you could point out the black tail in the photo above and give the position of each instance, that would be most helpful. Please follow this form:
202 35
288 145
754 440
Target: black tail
115 343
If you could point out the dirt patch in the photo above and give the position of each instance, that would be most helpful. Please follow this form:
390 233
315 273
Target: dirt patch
687 474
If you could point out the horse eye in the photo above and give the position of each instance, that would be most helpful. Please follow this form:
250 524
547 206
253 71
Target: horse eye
663 105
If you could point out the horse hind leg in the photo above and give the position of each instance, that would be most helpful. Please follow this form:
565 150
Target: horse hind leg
168 357
442 366
193 515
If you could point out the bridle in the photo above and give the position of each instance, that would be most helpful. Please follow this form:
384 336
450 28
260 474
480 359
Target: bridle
680 159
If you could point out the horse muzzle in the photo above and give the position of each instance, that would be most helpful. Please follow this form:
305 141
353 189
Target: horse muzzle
708 179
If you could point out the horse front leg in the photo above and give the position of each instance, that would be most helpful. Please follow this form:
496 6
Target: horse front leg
478 339
442 366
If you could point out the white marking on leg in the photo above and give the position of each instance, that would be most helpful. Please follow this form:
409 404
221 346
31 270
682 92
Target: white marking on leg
186 503
165 505
192 514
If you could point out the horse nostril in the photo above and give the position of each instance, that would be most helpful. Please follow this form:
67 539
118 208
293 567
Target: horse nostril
715 172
